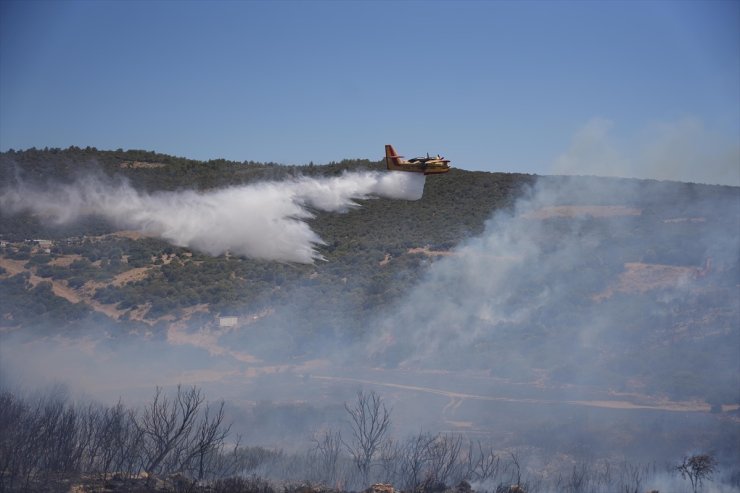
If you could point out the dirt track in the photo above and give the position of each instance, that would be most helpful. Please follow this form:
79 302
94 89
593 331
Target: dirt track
456 398
59 288
62 290
639 277
596 211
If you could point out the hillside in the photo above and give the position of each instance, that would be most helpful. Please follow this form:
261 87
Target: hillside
93 260
491 300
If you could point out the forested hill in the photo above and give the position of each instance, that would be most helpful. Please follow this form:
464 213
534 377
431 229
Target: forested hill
89 259
654 257
453 206
374 252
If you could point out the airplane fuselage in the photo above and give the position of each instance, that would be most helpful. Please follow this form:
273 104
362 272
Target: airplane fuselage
427 165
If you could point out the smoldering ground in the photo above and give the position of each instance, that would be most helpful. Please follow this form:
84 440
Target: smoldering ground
597 319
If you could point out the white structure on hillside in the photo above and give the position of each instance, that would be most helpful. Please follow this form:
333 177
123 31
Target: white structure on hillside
228 321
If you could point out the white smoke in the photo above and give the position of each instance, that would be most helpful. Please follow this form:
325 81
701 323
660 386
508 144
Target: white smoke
265 220
681 150
532 263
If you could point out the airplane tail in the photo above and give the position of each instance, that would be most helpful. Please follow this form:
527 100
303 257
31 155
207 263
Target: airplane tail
392 159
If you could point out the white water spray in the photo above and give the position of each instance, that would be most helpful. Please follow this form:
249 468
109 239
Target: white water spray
265 220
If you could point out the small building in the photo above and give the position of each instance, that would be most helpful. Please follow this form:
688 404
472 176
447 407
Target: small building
44 244
228 322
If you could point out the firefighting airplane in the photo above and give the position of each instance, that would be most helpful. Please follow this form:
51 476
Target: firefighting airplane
427 165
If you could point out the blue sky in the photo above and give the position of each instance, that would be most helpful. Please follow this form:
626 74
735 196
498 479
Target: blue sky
647 89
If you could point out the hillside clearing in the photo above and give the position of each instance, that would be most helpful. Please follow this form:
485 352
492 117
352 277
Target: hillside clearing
596 211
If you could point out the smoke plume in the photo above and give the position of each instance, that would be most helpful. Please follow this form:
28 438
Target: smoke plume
264 220
682 150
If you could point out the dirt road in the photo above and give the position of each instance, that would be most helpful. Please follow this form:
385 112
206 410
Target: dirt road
456 398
